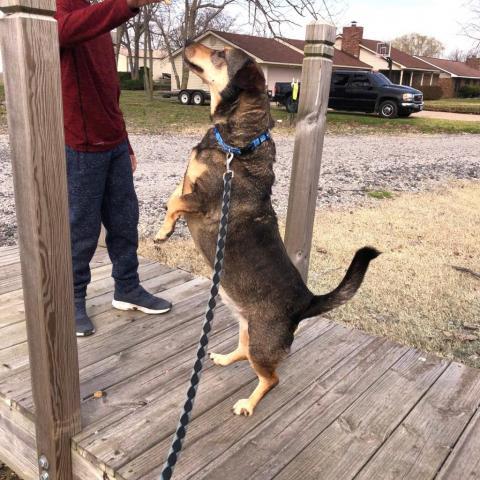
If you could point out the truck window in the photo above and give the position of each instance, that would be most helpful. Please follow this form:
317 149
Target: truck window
360 80
340 79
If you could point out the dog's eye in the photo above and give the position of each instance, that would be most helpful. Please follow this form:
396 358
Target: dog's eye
220 53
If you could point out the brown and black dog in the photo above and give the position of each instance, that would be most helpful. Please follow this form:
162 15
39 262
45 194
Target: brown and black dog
259 281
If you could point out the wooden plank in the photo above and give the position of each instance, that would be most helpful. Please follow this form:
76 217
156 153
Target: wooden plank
123 441
36 6
132 360
422 442
310 132
153 381
30 54
281 437
8 248
217 429
362 428
12 309
12 284
84 470
17 442
464 460
116 331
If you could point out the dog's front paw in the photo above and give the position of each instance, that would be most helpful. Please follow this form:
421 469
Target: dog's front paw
218 359
243 407
162 236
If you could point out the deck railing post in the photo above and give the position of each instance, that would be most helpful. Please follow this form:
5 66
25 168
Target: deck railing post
30 54
310 131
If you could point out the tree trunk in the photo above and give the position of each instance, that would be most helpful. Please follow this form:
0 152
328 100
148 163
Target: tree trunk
120 32
147 56
190 18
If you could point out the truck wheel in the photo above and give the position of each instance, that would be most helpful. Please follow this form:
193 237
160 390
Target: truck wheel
388 109
198 98
184 97
291 105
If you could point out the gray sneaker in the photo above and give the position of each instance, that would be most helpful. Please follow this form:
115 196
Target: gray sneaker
140 299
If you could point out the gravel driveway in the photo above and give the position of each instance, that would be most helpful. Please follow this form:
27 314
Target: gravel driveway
351 165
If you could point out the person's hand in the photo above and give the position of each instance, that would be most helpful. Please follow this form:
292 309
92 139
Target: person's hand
141 3
133 159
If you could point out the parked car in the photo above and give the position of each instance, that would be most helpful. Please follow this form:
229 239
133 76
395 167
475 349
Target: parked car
359 91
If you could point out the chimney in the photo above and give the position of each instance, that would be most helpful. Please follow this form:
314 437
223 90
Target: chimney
351 38
473 62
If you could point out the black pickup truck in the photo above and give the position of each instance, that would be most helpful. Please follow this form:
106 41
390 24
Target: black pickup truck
358 91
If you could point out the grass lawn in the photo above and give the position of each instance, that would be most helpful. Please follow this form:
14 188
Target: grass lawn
412 293
456 105
166 115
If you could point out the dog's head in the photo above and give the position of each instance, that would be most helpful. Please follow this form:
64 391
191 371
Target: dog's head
227 72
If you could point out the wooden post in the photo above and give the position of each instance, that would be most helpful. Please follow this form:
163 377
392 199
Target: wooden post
307 155
30 52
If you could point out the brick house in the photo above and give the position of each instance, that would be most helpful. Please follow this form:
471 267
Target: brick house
454 75
406 69
280 59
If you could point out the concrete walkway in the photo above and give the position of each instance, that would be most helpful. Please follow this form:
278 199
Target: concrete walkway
465 117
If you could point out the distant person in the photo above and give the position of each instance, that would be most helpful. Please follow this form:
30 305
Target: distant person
100 159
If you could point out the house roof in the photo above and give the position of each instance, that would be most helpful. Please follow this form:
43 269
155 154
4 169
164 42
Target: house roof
340 59
268 50
458 69
402 58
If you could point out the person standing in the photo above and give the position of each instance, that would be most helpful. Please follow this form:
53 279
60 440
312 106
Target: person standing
100 159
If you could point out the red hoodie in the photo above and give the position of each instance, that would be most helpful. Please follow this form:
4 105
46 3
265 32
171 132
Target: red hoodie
90 87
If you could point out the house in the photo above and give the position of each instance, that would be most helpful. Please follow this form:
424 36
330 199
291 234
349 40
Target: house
405 69
125 58
454 75
280 59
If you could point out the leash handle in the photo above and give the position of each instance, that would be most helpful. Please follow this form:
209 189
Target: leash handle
181 431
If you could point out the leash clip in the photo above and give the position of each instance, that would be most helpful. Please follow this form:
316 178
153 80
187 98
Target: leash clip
229 159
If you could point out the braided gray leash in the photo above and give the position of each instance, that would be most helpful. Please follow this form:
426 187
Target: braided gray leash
181 431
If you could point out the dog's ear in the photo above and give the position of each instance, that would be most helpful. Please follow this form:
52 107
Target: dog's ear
243 72
249 77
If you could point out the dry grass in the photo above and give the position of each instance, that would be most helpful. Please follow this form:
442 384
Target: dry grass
6 473
411 293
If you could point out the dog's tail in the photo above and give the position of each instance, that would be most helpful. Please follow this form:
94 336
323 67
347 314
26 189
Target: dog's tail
348 286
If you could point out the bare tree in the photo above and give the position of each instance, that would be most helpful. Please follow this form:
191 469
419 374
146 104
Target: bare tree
472 28
170 26
148 13
417 44
458 55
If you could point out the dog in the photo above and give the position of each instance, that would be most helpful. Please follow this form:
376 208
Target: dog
259 280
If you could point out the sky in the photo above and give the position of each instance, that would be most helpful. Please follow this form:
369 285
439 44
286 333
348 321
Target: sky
387 19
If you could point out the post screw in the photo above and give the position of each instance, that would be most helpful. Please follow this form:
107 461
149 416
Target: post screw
44 476
43 462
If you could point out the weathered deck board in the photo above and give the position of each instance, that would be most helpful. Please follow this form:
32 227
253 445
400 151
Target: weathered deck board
420 444
282 436
348 405
464 461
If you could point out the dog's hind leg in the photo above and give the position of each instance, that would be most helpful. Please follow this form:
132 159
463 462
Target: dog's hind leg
240 353
267 379
269 343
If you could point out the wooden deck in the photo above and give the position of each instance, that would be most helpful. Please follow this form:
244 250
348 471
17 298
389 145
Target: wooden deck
348 406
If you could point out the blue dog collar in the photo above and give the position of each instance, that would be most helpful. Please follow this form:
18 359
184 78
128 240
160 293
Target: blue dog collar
253 145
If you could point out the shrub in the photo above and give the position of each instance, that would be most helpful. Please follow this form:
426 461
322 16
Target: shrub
433 92
469 91
129 84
